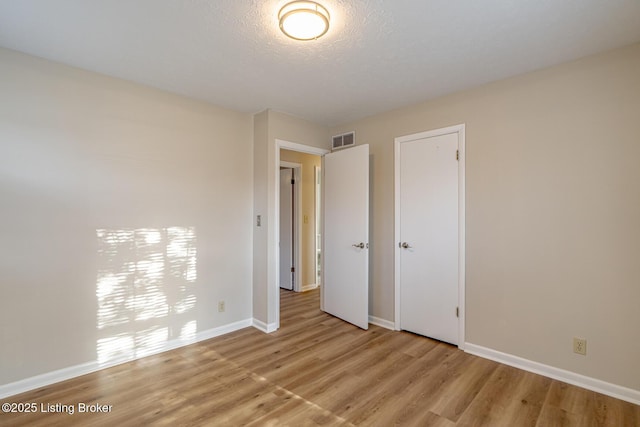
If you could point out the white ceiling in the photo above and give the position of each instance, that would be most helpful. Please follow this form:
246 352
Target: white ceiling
377 56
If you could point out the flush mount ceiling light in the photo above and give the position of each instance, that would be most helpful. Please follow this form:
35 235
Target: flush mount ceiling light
304 20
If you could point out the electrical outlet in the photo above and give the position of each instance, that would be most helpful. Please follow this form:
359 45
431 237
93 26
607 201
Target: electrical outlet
220 306
580 346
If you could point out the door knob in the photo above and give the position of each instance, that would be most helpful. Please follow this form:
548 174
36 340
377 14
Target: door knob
405 245
359 245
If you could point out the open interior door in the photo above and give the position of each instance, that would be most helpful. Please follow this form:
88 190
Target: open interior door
345 285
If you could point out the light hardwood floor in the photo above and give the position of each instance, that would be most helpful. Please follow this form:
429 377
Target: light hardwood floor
318 370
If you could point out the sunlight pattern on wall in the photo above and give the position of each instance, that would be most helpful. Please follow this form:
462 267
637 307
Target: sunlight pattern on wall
145 290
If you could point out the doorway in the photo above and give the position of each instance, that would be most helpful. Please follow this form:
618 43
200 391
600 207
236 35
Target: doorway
273 288
353 286
430 234
298 212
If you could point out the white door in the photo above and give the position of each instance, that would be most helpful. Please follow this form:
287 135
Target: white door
428 236
286 229
345 285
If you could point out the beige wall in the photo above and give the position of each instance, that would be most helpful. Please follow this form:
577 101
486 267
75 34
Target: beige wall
83 152
553 203
308 206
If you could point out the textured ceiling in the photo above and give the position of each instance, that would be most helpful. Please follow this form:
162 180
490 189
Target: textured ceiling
378 54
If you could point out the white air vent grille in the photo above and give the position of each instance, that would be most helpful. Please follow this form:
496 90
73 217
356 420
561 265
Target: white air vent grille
343 140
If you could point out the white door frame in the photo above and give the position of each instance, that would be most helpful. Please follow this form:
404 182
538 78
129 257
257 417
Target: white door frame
458 129
297 222
273 271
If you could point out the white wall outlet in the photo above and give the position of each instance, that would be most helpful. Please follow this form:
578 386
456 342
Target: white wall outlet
580 346
220 306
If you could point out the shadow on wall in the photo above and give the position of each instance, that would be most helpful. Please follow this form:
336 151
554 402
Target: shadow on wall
145 291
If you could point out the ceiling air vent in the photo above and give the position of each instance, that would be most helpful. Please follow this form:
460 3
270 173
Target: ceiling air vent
343 140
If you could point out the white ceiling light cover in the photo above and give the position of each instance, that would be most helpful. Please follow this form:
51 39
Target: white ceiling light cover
304 20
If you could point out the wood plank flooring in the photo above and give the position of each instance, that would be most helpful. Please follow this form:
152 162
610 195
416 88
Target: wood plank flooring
319 371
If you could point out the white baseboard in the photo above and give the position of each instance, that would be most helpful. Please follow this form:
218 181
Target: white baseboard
593 384
383 323
64 374
222 330
32 383
261 326
306 288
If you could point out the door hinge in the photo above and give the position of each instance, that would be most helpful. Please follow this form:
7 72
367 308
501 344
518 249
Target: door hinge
457 154
293 269
457 311
293 181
